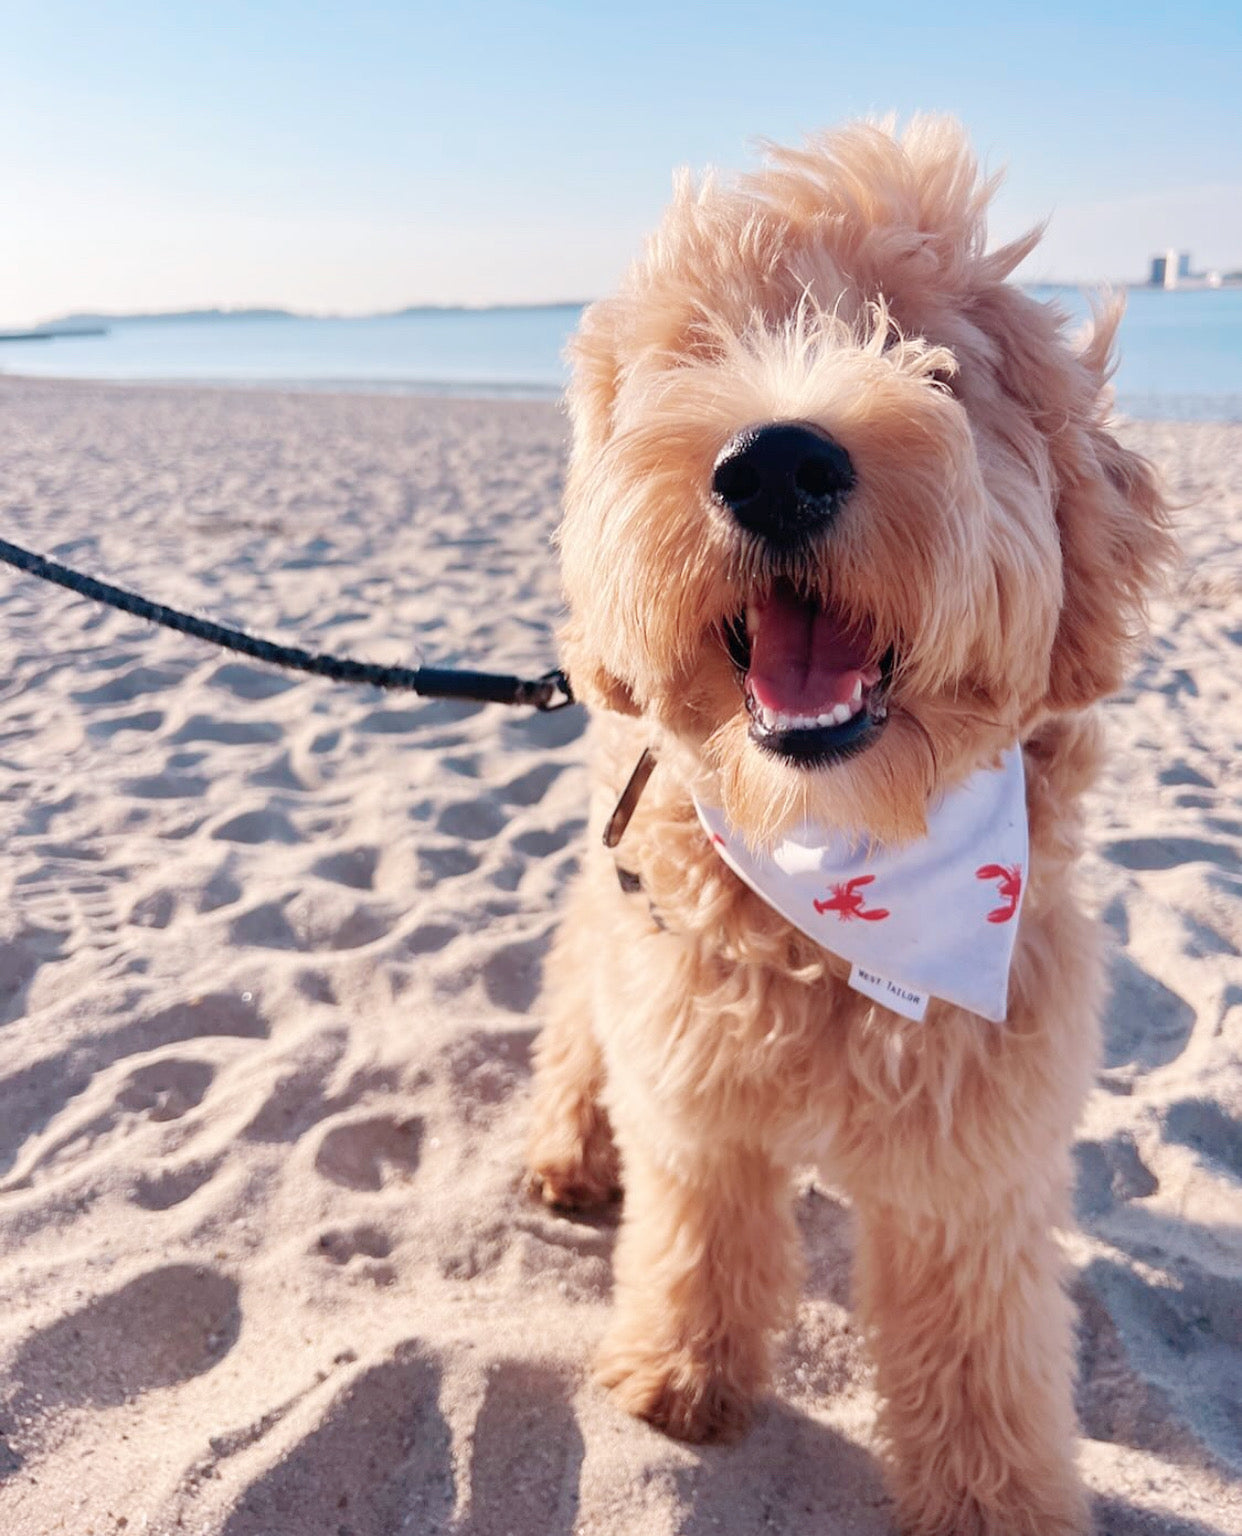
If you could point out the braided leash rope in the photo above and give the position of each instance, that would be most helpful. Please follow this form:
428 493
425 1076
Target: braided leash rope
546 693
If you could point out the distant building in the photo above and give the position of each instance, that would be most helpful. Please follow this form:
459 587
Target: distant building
1171 268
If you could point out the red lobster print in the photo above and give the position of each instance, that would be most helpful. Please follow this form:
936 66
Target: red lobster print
1010 877
847 901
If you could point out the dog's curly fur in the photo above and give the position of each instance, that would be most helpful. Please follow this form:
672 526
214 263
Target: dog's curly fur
1001 542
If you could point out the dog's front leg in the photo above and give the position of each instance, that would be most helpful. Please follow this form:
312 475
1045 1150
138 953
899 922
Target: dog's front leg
972 1337
706 1265
571 1160
570 1157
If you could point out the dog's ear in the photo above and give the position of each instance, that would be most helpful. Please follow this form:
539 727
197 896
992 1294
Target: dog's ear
591 681
591 396
593 388
1115 542
1111 513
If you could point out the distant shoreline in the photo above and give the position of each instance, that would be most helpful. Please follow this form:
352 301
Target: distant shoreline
78 319
212 315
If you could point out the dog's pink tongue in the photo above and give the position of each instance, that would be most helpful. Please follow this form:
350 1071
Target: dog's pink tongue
803 659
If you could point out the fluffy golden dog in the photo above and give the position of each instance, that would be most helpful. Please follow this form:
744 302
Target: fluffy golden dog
936 551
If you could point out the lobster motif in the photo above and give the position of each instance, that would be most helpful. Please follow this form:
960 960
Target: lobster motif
847 901
1010 877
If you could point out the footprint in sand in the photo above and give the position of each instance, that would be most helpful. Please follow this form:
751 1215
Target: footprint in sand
20 958
130 684
328 918
278 773
33 1095
155 910
166 1090
145 720
219 890
428 938
1110 1173
228 733
1182 773
530 787
295 1098
156 1091
245 682
1142 853
164 1327
513 974
365 1154
338 1247
316 986
544 732
211 1013
1204 1126
264 927
1155 1338
269 824
354 867
1146 1025
366 1244
172 1186
539 844
165 786
447 861
475 820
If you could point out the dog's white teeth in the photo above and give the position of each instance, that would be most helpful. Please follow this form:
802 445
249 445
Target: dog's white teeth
778 720
752 620
856 696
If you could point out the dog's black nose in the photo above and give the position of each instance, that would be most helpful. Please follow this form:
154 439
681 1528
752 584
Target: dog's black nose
782 481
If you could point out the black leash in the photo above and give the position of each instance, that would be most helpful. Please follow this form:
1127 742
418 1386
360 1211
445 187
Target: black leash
549 692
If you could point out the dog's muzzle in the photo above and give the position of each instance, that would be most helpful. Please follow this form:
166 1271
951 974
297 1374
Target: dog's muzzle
815 681
782 482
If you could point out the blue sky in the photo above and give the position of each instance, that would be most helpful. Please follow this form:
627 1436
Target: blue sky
339 158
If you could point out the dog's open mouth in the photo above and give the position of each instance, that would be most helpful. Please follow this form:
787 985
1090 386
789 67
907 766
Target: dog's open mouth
814 692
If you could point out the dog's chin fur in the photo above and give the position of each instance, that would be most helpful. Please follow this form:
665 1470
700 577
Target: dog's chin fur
996 546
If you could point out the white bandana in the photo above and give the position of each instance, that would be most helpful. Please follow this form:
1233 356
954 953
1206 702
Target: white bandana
935 918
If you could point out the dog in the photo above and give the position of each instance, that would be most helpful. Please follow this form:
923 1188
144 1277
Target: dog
848 544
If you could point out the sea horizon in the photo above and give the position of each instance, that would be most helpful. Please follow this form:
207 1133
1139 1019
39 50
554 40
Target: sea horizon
1180 349
243 312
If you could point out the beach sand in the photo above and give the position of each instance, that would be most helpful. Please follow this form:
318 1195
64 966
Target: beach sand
270 956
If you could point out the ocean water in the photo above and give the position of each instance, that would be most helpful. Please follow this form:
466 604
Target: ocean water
1181 352
489 352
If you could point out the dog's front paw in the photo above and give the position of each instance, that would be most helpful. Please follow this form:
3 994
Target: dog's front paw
676 1391
579 1178
571 1156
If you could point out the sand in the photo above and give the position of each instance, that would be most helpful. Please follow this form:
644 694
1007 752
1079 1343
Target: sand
270 955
